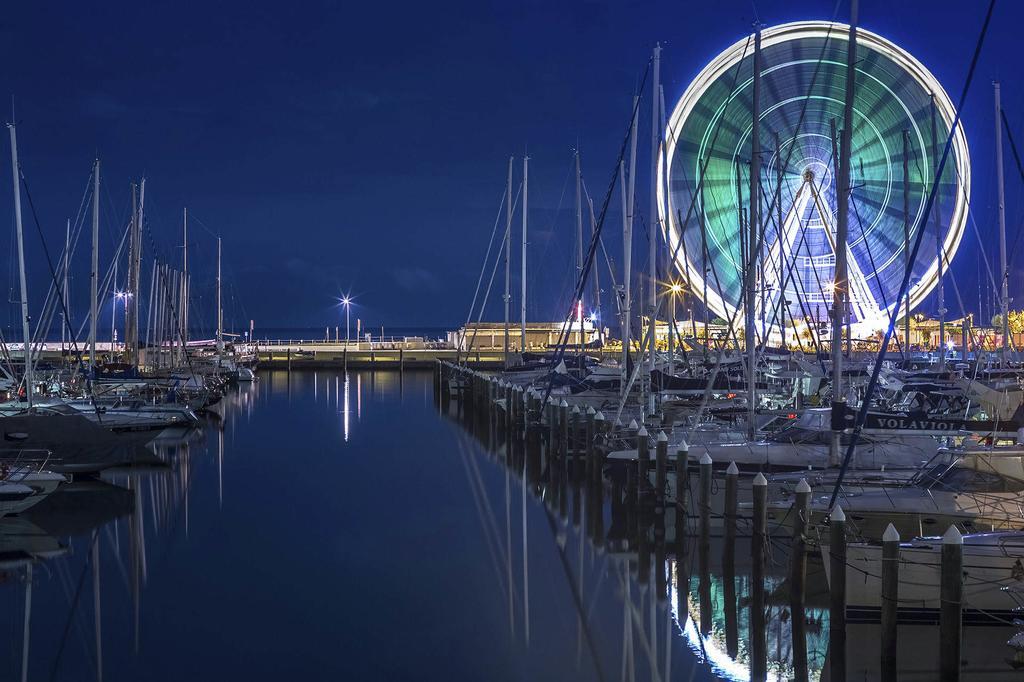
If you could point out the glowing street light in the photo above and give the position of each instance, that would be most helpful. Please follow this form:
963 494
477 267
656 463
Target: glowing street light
675 289
124 297
347 302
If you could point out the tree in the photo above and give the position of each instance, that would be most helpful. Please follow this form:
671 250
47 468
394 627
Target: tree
1015 320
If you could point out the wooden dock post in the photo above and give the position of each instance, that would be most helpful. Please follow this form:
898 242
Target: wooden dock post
682 488
563 462
732 476
643 460
704 500
798 580
588 438
597 483
577 466
576 419
660 471
837 590
289 359
890 602
510 408
732 637
758 542
951 592
519 397
490 393
552 410
704 544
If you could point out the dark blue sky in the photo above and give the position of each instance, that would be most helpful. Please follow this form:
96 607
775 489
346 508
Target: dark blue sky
361 147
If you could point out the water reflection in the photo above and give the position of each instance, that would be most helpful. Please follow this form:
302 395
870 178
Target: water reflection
620 584
258 553
55 552
683 596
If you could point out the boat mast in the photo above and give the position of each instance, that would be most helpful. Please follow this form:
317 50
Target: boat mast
598 319
906 238
627 254
753 224
939 251
26 349
508 249
220 309
840 284
95 267
1004 295
673 336
579 247
627 248
184 279
131 334
779 171
522 301
64 286
652 222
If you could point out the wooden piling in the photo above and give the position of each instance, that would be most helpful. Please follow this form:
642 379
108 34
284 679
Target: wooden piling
732 475
798 580
951 592
758 542
704 500
704 544
575 432
837 591
563 429
643 459
588 437
660 471
512 404
890 601
552 411
563 458
597 489
682 488
631 497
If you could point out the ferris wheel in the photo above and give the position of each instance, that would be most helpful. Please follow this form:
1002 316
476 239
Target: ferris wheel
902 118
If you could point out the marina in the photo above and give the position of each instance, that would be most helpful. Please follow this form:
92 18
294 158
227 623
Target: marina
707 368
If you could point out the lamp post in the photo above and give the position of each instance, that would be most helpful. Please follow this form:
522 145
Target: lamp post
124 297
675 289
347 302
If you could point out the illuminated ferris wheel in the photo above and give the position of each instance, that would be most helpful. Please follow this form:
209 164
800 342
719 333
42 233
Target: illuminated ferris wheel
902 118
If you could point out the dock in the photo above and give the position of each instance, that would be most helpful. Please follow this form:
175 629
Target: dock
363 355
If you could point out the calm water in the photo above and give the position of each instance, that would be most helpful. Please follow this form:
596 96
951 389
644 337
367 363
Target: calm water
325 530
333 529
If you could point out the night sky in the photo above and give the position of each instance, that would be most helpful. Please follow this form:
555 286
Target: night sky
361 148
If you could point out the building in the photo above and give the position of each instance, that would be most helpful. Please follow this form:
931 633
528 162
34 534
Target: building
539 335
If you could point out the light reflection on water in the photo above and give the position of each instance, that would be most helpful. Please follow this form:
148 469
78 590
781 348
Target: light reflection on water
348 528
322 528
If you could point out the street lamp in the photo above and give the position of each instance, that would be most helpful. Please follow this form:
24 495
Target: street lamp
347 302
675 289
123 296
